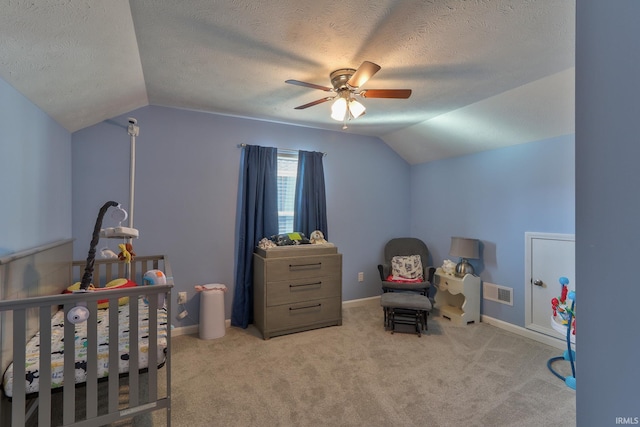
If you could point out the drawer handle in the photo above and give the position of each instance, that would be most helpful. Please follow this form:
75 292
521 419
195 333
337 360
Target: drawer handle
305 266
305 284
302 308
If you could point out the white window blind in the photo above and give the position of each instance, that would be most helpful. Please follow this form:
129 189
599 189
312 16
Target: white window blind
287 172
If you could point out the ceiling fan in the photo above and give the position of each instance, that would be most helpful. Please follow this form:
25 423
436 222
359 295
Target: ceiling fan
346 84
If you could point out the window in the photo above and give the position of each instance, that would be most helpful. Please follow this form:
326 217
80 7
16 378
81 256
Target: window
287 171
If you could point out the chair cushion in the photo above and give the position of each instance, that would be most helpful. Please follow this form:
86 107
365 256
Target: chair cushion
396 279
407 286
405 300
406 267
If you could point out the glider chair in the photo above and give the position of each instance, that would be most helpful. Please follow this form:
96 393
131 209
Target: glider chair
401 268
406 279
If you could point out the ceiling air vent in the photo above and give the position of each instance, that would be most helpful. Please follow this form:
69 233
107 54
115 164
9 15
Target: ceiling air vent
497 293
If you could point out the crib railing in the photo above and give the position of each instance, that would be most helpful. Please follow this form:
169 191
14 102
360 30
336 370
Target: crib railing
106 270
144 392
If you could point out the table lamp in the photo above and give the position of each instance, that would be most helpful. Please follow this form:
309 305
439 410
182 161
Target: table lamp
464 249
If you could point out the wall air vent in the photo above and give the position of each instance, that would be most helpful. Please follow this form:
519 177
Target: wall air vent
497 293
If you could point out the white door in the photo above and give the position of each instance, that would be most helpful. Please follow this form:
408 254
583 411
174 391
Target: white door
548 257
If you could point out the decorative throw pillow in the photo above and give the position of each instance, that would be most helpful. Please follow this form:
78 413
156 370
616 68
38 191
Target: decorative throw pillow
406 267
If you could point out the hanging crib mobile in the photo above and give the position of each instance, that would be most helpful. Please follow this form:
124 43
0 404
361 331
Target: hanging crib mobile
127 233
80 313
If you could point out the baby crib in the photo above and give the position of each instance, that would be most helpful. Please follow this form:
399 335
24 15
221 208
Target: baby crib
119 351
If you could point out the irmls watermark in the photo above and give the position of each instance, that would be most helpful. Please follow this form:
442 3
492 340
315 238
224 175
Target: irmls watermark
627 420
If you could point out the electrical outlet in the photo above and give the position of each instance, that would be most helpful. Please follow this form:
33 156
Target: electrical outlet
361 276
182 297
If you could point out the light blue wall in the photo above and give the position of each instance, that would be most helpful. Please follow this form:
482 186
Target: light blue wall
608 211
35 172
186 192
496 196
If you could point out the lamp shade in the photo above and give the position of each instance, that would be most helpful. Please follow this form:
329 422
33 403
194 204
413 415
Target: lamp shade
463 247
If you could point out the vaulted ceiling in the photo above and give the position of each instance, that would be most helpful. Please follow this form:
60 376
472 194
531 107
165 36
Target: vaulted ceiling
484 73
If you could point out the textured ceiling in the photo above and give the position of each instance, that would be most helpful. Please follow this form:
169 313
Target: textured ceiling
484 73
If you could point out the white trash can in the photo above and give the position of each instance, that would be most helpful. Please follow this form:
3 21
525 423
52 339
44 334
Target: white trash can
212 324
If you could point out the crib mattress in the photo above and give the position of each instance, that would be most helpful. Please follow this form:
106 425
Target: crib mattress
57 348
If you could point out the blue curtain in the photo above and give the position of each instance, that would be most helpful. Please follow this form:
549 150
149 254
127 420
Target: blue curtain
258 219
310 203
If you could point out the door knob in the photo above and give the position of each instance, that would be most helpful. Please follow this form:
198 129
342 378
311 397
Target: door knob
538 282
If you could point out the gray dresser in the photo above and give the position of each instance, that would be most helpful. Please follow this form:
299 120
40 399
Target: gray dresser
296 288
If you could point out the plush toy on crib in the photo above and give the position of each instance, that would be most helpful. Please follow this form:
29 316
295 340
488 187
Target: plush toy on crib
126 252
108 253
155 277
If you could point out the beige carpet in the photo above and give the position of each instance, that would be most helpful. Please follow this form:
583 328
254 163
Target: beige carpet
358 374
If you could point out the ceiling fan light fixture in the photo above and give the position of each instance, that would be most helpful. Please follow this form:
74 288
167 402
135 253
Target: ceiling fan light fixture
356 108
339 109
347 84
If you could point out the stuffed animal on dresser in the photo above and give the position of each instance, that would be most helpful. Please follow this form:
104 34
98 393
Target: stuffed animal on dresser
317 237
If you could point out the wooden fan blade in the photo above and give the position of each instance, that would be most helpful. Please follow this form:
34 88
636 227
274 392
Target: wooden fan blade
386 93
311 104
310 85
363 73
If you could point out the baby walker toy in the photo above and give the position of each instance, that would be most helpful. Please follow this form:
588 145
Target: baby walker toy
564 319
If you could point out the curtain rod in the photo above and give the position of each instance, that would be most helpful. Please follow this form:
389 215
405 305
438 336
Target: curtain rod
286 150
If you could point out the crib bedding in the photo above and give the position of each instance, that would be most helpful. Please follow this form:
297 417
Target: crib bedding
57 347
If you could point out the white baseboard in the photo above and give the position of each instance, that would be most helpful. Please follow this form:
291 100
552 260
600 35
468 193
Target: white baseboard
184 330
358 302
193 329
527 333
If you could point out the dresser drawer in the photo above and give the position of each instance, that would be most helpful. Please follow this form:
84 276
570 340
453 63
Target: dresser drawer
302 267
297 290
296 293
303 314
451 284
